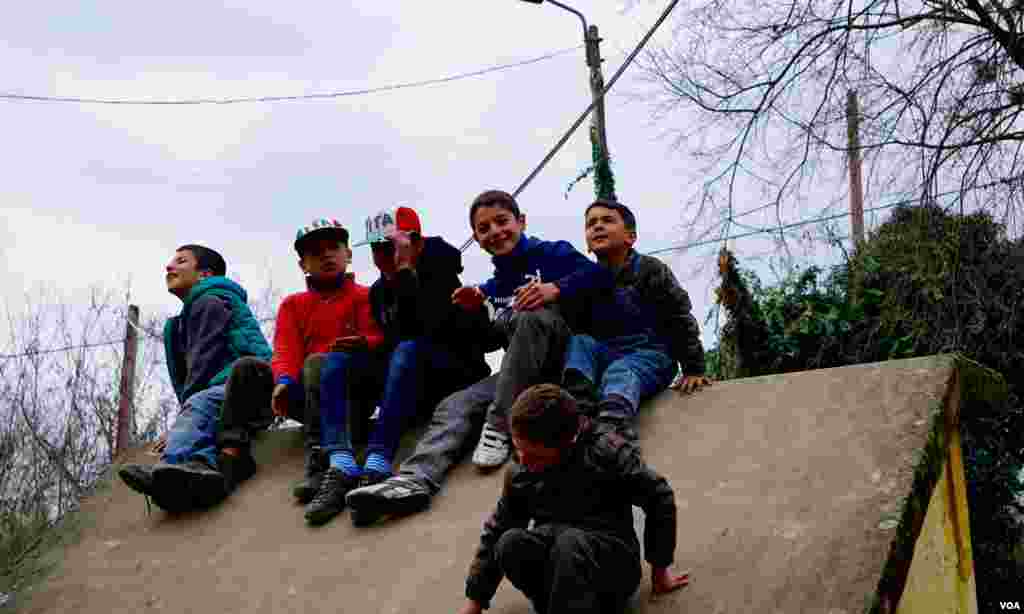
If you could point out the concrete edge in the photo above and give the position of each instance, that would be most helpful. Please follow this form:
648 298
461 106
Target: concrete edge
941 458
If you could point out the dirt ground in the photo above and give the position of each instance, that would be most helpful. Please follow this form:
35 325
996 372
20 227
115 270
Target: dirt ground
781 483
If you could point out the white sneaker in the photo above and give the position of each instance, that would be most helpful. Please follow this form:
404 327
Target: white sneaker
493 448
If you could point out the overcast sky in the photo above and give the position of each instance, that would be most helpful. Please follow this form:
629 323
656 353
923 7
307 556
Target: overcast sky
103 194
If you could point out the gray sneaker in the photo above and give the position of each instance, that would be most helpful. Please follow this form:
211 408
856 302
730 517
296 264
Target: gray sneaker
396 496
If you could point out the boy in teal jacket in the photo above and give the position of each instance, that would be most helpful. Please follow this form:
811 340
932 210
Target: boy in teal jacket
216 358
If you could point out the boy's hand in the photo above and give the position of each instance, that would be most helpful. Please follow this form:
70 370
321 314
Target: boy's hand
663 581
534 296
354 343
160 444
403 250
687 384
469 298
471 607
279 400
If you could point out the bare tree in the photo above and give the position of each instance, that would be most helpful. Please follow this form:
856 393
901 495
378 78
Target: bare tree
940 84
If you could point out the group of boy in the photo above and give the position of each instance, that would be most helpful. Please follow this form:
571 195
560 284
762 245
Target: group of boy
585 343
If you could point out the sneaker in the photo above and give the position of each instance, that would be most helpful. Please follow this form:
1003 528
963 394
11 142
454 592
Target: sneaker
395 496
493 448
236 469
137 477
194 481
330 499
305 489
361 518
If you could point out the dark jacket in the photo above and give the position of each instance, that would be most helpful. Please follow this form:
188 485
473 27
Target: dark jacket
418 303
648 300
214 329
600 477
578 278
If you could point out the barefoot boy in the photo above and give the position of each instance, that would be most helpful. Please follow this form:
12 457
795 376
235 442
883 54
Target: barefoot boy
578 486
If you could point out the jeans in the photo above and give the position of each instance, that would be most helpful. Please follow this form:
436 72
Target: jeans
194 432
565 569
456 418
632 367
413 367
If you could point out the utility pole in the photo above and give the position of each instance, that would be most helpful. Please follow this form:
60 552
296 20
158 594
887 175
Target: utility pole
856 182
597 127
127 393
604 181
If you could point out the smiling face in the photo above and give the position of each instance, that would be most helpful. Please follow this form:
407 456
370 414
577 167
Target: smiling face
324 258
182 273
497 229
606 233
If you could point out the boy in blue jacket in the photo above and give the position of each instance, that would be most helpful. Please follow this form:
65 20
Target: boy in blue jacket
537 291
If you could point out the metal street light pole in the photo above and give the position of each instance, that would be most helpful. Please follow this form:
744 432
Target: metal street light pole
592 42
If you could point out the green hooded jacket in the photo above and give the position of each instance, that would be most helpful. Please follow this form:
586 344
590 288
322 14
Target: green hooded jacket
242 337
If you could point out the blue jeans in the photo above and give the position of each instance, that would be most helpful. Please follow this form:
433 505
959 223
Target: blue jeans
632 367
194 432
410 367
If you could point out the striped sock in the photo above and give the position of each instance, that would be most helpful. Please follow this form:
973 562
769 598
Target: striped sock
377 462
343 460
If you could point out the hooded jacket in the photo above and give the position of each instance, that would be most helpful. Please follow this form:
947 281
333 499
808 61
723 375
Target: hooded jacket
214 329
578 278
418 303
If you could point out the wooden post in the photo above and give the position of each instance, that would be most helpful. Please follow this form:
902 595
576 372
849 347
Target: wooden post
125 407
856 182
856 193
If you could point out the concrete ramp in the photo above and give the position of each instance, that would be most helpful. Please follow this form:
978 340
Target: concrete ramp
836 491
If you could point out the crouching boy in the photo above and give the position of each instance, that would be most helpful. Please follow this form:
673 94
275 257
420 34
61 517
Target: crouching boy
578 486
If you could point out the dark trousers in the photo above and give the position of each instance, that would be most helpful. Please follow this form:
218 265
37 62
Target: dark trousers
536 352
570 570
246 407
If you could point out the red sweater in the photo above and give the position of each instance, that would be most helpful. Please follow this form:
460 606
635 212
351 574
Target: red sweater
309 322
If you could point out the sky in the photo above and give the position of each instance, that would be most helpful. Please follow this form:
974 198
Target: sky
103 194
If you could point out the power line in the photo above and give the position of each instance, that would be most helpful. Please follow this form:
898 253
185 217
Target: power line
774 229
784 227
561 142
322 96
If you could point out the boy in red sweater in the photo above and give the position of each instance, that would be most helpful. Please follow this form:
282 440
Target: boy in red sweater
323 342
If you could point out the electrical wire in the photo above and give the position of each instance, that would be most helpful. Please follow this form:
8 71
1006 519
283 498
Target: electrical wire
321 96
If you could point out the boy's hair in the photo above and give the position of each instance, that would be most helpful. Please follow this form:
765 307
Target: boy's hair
628 219
206 259
494 198
545 414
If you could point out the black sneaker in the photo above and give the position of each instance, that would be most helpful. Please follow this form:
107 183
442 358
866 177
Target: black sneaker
395 496
305 489
236 469
330 499
138 477
369 478
193 481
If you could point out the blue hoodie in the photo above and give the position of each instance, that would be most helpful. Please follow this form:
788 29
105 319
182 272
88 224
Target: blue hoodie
578 278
